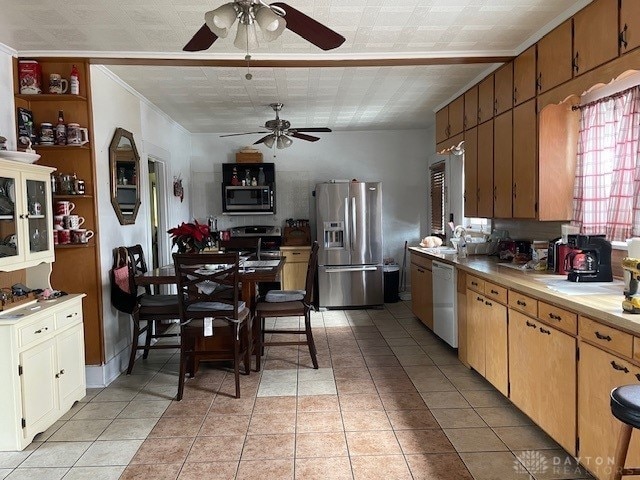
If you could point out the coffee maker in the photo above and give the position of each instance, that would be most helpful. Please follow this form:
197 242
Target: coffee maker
589 260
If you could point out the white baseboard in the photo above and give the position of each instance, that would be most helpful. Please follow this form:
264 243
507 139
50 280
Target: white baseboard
99 376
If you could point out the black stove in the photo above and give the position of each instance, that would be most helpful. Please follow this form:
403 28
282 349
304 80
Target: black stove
271 238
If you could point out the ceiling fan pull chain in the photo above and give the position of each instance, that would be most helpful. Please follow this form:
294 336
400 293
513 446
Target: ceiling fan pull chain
248 76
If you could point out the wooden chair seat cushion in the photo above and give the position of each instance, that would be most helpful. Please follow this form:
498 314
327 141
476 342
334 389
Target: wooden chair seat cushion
158 300
625 404
268 309
278 296
216 307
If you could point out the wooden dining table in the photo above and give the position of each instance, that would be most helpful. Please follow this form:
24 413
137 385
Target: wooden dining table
250 277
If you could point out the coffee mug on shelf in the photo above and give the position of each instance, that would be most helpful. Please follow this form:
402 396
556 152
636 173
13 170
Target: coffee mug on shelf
73 222
81 235
57 84
58 222
56 241
64 236
77 135
64 207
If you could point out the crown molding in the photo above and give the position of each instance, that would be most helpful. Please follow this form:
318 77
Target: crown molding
8 50
138 95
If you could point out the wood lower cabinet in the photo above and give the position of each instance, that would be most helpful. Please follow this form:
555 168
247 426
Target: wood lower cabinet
629 25
294 271
554 57
595 35
598 373
485 170
487 347
542 376
42 369
502 165
524 76
471 173
422 289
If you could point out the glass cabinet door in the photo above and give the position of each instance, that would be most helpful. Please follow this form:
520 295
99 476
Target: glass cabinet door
9 235
38 208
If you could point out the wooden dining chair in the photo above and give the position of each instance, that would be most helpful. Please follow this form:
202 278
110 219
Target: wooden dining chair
215 325
289 303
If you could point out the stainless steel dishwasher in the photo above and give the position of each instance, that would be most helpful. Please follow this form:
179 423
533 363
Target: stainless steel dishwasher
445 312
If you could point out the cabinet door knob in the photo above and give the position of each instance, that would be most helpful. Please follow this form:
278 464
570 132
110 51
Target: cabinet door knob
515 190
638 376
575 65
521 303
488 303
620 368
539 82
495 292
479 299
555 317
545 331
515 95
622 37
495 106
603 337
529 324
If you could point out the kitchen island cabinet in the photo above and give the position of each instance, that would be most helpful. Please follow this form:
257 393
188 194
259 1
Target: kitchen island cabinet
294 271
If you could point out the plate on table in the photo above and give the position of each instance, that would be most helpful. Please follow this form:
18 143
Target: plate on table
22 157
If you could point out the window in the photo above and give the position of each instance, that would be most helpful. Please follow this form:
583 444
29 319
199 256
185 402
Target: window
438 181
607 188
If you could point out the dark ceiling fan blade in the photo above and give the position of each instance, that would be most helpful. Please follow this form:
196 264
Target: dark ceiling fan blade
237 134
262 139
202 40
310 29
318 130
302 136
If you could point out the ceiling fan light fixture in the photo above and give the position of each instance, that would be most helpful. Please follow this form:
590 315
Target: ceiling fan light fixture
246 38
269 141
271 24
283 142
221 19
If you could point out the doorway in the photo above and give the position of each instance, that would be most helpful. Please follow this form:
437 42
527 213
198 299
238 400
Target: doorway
157 212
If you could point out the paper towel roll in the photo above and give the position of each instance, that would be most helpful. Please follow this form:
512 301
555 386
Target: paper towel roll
633 247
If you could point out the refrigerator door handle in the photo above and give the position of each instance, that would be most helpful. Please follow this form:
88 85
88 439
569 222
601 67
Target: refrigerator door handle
351 269
354 221
346 223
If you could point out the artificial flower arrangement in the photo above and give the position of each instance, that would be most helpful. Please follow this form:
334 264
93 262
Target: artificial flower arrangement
190 237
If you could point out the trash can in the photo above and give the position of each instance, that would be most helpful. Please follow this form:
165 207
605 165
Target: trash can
391 283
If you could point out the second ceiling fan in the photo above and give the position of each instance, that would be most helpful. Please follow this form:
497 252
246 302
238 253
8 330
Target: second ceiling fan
281 131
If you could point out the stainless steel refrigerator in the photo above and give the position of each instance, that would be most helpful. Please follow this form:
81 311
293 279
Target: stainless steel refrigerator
349 226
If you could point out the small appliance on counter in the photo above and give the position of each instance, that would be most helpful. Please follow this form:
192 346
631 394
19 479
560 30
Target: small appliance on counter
631 302
589 260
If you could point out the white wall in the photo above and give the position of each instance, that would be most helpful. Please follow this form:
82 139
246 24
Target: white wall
7 105
115 105
397 158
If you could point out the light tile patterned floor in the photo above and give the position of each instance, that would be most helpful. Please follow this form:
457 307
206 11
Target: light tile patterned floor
389 401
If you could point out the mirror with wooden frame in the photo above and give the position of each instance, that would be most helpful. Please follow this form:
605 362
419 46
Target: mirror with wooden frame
124 166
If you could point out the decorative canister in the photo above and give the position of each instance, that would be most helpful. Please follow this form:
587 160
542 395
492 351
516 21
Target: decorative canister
46 134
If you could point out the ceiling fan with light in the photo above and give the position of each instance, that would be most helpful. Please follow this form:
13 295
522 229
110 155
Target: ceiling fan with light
272 20
281 131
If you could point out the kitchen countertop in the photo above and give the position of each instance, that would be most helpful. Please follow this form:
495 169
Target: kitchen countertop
604 306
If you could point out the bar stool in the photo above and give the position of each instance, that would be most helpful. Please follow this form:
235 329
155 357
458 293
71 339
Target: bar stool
625 406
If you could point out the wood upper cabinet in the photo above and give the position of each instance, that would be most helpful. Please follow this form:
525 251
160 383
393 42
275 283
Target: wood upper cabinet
542 374
503 98
502 165
629 25
485 99
524 76
525 160
442 124
485 170
456 116
595 35
599 372
554 57
471 107
471 173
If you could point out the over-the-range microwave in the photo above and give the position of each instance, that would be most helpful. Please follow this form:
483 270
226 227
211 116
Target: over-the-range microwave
248 200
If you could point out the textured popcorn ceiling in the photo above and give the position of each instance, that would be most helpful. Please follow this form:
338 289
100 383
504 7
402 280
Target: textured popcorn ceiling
221 100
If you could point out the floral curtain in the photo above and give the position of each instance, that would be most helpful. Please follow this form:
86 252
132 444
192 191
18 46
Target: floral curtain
607 187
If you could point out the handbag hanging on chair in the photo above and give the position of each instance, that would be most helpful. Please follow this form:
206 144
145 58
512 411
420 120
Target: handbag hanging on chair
122 296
